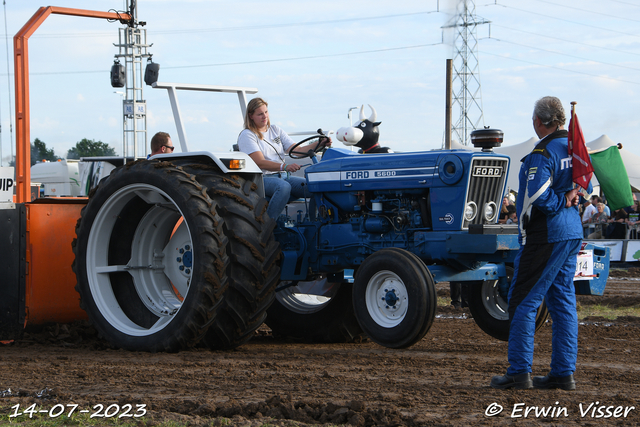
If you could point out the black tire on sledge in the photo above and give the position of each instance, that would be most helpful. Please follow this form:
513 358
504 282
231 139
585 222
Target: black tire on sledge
327 318
254 253
490 310
394 298
150 258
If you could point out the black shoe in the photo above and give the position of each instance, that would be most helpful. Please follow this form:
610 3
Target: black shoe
516 382
548 382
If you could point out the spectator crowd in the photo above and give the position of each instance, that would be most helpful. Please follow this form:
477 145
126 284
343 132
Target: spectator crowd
597 219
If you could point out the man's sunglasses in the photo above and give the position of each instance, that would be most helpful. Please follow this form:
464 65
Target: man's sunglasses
170 147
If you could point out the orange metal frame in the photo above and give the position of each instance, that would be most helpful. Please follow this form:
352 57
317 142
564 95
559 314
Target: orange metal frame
21 64
49 289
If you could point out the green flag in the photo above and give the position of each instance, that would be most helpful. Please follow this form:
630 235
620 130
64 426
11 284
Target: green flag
613 178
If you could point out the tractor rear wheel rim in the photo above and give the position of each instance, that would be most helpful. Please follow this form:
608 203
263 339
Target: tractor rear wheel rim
296 298
160 268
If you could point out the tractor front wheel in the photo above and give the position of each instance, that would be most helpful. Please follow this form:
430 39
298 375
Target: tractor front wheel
394 298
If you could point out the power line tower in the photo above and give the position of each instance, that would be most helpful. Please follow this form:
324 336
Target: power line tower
466 90
132 47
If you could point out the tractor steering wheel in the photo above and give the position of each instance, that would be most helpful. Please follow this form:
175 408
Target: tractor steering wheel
310 152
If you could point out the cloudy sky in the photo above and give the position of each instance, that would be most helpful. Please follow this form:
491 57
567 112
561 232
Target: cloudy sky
314 60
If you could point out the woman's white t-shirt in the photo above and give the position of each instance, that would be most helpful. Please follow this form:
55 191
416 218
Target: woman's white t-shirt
274 144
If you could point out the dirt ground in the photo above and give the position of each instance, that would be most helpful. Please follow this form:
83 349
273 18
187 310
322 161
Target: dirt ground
442 380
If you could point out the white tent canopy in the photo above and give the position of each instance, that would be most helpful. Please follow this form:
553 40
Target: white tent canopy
518 151
515 152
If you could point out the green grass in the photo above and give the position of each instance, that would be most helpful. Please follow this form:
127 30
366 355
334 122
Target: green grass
443 302
43 420
605 311
84 420
609 313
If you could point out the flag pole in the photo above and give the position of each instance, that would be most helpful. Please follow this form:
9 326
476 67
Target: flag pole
579 154
619 145
572 123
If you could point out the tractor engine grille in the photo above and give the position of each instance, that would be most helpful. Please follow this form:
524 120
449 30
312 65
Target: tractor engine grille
486 185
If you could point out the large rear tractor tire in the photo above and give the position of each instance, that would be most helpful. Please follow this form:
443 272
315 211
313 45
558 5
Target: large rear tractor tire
326 318
254 253
394 298
150 258
490 310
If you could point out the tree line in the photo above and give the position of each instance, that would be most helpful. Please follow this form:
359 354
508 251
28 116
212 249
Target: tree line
84 148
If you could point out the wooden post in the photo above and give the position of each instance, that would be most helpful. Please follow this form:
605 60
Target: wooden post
447 120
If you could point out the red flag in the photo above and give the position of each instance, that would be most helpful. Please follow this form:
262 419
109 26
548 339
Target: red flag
580 160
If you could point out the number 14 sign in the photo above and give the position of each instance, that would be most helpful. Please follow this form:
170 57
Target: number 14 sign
584 266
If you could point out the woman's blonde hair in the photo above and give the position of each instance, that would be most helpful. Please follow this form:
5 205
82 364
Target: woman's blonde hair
252 106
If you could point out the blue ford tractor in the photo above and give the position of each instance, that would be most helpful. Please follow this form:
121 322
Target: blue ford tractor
178 250
400 223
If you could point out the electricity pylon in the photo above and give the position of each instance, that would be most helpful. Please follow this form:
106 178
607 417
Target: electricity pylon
466 89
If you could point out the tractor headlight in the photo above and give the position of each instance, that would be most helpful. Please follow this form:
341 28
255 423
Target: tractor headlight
490 212
470 211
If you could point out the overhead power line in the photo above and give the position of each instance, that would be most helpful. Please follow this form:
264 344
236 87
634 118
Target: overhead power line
558 4
322 22
563 54
607 48
242 28
222 64
625 2
561 69
331 55
567 20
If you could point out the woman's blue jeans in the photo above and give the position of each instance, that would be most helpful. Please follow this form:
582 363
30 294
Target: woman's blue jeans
280 189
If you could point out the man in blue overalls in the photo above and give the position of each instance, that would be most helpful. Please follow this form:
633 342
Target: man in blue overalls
550 238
